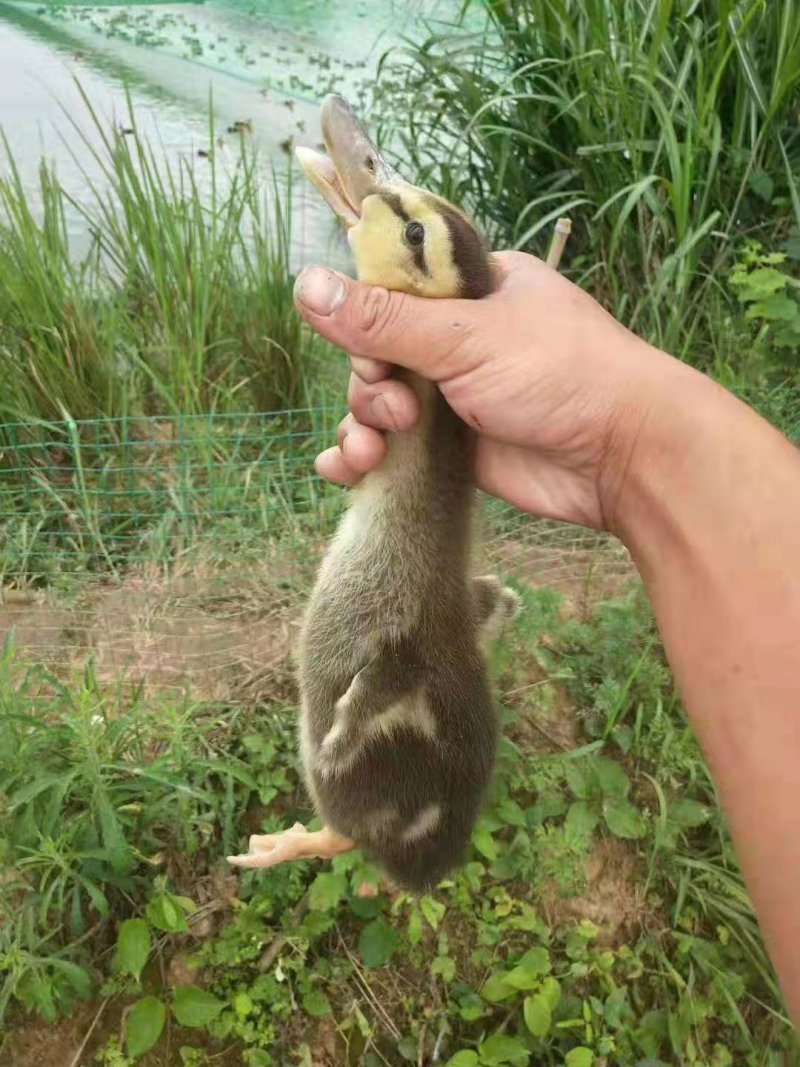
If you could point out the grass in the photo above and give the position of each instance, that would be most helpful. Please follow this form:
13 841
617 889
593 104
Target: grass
159 405
600 918
100 496
182 302
667 130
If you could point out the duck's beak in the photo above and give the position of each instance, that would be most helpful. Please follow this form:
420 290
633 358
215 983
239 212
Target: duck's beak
353 168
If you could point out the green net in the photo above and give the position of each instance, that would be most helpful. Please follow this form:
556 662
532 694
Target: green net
177 552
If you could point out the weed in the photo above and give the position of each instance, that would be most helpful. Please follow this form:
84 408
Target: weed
663 129
771 294
599 918
182 304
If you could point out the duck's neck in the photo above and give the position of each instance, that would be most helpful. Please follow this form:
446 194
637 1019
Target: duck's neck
423 493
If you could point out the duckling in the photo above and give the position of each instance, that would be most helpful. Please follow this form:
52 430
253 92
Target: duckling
398 731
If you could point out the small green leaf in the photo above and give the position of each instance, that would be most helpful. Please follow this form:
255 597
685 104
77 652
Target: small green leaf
466 1058
522 979
496 988
761 283
762 185
688 813
195 1007
611 777
186 904
533 965
408 1047
537 1014
171 913
582 817
133 947
501 1049
143 1026
579 1057
363 907
774 309
510 812
317 1004
587 930
433 910
484 843
112 833
415 926
326 891
536 960
243 1005
444 966
77 977
623 819
579 778
377 943
165 915
552 991
470 1007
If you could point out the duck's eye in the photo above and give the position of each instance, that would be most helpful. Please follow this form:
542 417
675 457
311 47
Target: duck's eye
370 162
415 233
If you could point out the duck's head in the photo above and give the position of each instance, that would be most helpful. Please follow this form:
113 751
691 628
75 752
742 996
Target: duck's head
402 237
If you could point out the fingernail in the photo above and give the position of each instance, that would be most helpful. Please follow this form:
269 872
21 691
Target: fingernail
382 412
319 289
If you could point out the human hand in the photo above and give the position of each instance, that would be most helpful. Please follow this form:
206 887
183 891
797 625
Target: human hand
558 391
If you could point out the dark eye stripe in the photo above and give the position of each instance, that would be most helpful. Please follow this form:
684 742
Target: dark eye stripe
417 251
396 204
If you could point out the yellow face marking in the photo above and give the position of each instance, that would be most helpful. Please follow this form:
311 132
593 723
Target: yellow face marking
383 256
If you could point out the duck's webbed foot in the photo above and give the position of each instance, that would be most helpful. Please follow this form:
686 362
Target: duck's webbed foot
268 850
494 605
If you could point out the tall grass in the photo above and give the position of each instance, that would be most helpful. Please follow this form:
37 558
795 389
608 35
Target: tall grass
666 128
182 302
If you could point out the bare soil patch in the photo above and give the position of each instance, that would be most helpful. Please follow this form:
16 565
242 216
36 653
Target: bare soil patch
613 899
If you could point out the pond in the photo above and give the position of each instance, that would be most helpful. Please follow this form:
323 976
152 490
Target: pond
267 64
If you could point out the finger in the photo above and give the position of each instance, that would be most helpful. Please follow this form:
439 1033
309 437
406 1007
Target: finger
428 336
370 370
332 466
344 427
363 448
387 405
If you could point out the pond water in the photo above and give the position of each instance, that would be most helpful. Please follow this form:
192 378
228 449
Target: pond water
266 62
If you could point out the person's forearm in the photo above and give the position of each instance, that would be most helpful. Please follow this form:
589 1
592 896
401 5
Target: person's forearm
711 513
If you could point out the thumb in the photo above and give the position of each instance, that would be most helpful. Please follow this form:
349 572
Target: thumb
424 335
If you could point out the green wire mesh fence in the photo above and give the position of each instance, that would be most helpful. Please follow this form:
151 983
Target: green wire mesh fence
177 552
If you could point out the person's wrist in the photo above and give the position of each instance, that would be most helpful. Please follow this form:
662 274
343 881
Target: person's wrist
651 435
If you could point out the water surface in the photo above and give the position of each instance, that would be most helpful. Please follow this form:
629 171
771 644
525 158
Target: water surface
268 63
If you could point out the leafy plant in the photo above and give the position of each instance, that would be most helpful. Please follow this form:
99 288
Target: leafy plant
600 787
664 130
182 303
501 965
771 294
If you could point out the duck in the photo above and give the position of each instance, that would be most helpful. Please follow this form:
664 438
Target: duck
241 126
398 728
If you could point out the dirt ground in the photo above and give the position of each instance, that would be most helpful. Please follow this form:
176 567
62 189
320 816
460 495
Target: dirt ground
225 633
